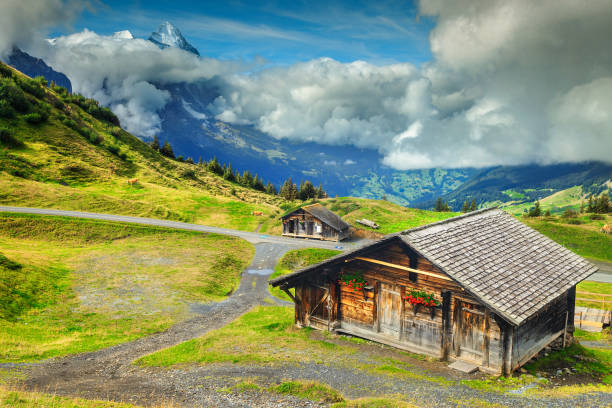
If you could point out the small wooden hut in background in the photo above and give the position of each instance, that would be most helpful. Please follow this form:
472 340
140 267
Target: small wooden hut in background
316 222
482 288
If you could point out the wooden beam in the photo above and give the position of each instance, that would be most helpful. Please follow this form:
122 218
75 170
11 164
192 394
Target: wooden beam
507 346
447 325
290 295
404 268
402 312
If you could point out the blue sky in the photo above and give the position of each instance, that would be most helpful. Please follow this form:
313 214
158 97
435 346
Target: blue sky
281 32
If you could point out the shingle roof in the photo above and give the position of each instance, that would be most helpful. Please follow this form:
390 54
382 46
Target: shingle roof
325 215
510 267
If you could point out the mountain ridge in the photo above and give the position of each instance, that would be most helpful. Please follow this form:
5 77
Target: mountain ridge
168 35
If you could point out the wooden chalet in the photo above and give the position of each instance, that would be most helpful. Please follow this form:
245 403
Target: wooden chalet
503 291
315 221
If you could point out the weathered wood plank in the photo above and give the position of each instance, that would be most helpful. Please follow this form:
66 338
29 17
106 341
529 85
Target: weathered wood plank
404 268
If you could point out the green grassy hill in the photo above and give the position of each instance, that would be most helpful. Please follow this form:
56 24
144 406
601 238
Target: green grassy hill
581 234
389 216
555 203
63 151
70 285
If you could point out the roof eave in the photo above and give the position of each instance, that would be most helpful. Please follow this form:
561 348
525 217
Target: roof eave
304 271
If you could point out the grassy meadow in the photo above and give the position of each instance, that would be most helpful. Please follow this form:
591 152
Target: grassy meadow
69 285
594 297
389 216
25 399
581 234
569 198
265 335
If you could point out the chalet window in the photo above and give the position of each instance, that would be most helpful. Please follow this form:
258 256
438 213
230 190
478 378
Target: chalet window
413 276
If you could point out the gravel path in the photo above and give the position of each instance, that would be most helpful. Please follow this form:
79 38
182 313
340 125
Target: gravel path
252 237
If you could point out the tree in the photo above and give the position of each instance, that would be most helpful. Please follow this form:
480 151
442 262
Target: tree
214 166
293 191
320 192
247 179
166 150
229 173
307 191
441 206
289 190
189 160
535 211
473 206
466 207
155 143
590 206
270 189
258 184
602 204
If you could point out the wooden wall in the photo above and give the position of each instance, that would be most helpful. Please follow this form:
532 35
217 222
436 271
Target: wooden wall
543 328
460 328
297 225
381 314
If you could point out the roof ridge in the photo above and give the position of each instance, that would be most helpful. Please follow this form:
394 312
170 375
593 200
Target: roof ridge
448 220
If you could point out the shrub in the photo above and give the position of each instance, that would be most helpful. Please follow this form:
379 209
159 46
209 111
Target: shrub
70 123
34 118
570 213
8 139
574 221
14 96
5 71
189 160
60 90
95 138
114 149
6 110
31 86
598 217
189 173
41 81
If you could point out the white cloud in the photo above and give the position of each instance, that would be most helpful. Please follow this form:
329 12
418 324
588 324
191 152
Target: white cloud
195 114
510 83
23 22
120 72
348 162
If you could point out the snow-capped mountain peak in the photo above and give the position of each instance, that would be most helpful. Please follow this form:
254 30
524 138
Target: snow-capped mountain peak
168 35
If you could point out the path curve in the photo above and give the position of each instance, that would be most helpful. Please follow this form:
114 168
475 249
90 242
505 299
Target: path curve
110 374
252 237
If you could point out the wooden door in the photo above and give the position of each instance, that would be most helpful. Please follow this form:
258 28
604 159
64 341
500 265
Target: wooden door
309 228
318 302
389 309
470 331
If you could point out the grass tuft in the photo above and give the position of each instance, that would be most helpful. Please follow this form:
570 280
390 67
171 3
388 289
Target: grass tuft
310 390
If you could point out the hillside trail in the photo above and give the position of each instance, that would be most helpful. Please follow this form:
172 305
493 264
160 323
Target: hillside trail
110 374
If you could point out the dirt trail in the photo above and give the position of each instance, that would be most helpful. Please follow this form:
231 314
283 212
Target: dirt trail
109 374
